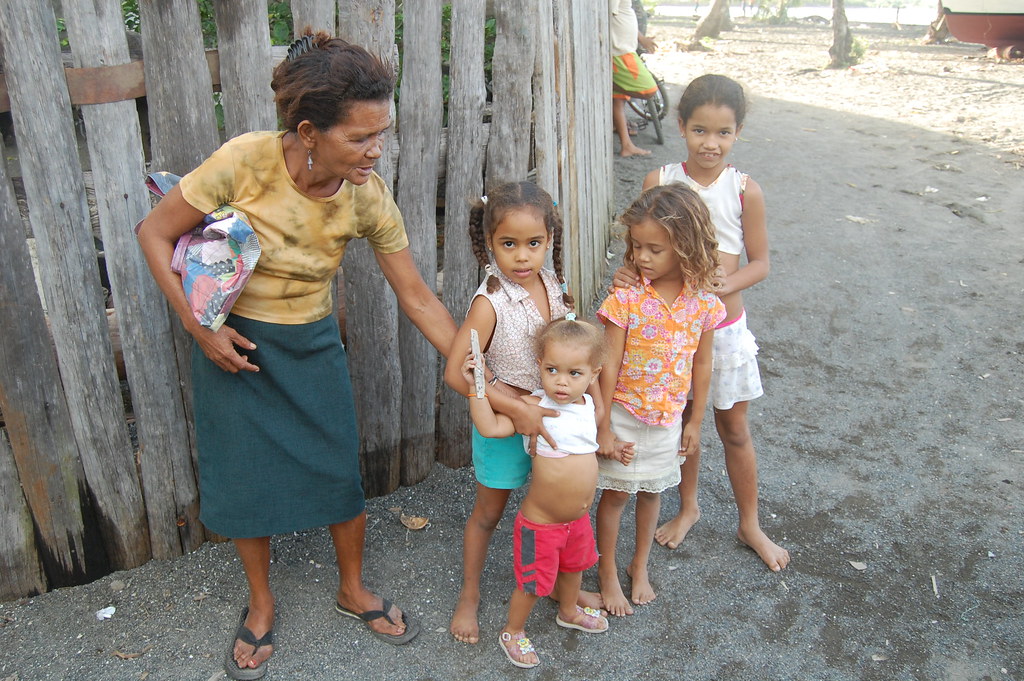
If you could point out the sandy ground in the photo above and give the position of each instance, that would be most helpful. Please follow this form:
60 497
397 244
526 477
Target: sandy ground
890 437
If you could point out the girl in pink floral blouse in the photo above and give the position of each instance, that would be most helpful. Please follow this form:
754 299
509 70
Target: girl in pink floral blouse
659 336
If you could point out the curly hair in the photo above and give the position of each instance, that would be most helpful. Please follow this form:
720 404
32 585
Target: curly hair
323 77
484 218
685 217
714 90
578 332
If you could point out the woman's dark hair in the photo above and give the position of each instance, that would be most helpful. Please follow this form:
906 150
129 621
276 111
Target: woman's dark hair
485 216
715 90
323 76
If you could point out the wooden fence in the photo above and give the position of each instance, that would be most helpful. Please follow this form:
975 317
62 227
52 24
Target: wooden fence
91 481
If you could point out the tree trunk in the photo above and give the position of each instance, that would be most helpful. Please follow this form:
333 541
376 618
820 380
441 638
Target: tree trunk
714 22
938 31
842 38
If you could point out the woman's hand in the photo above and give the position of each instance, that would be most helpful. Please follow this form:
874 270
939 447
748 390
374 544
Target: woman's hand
624 277
219 348
528 421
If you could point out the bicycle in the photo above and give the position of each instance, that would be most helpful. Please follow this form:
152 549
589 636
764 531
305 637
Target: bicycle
654 108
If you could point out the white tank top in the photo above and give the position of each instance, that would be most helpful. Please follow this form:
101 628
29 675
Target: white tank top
575 431
724 199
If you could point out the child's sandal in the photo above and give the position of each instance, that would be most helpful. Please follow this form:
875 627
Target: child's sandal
517 643
592 621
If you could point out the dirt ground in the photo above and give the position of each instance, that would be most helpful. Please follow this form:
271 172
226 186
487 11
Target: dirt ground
890 437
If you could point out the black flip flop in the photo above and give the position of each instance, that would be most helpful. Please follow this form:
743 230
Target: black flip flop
244 634
412 628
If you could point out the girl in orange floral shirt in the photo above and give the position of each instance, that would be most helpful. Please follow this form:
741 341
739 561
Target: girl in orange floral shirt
659 336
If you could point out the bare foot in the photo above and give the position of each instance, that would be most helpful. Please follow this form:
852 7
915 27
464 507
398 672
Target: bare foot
633 150
672 533
615 602
643 592
259 623
773 555
367 600
464 626
590 599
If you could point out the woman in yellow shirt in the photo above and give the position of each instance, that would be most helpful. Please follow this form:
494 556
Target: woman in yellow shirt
286 459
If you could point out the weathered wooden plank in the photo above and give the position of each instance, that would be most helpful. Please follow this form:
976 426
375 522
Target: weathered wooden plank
419 122
117 162
317 14
60 224
183 128
21 573
243 42
508 150
463 184
545 104
42 439
589 175
371 308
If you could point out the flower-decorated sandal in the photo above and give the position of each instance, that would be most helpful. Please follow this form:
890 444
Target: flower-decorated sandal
517 648
588 620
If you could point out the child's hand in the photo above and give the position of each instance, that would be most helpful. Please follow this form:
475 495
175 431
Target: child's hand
718 281
468 364
624 452
690 441
624 277
606 444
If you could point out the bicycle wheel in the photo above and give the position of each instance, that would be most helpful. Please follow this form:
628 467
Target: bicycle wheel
654 114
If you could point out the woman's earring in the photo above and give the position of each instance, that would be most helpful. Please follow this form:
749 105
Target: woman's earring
309 158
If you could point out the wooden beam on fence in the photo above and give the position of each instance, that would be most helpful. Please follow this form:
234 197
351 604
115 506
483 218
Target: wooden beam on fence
118 166
546 134
21 573
60 223
508 150
467 136
420 113
38 423
243 37
371 307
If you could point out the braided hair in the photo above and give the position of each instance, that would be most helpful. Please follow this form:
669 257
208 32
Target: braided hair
487 213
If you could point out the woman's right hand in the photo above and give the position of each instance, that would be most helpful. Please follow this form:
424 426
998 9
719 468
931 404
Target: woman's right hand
220 348
624 277
529 421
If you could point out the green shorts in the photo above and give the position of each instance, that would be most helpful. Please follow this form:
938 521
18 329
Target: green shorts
502 462
630 77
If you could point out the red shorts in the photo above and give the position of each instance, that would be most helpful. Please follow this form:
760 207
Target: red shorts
540 552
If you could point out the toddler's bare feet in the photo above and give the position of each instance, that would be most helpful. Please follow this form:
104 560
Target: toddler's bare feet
615 601
672 533
464 626
643 592
773 555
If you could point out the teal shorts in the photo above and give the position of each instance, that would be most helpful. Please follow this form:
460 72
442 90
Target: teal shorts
500 463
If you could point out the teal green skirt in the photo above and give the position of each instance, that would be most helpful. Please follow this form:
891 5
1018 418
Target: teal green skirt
278 448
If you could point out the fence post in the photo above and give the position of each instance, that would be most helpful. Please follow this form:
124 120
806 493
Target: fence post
371 307
318 14
463 183
67 257
420 113
42 440
508 150
118 165
243 43
20 571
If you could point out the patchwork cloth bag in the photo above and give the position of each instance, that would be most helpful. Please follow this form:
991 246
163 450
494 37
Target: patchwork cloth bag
215 259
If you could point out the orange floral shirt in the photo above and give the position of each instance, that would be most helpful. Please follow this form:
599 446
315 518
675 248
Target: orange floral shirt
661 339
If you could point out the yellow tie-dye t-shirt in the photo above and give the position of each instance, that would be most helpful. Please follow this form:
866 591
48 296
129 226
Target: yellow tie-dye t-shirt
302 238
